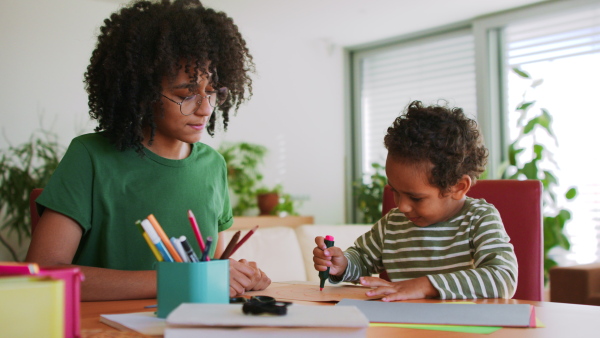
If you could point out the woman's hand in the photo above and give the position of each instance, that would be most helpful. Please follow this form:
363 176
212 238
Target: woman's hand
332 258
417 288
245 276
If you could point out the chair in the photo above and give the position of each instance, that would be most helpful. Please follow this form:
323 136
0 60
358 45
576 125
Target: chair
35 217
520 206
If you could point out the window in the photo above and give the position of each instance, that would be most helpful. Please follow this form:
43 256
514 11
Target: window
557 41
440 67
563 50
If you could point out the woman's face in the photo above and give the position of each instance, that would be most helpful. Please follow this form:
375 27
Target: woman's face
171 125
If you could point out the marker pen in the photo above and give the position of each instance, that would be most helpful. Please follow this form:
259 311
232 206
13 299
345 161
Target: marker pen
179 248
188 249
324 275
156 240
205 256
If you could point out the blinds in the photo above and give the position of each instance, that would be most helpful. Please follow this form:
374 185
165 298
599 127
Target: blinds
564 51
429 70
564 35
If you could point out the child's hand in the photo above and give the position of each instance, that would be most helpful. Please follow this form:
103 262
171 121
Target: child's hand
417 288
332 257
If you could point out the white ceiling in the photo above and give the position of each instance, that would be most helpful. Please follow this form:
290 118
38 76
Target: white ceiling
352 22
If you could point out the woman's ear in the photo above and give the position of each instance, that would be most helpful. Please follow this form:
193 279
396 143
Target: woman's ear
460 189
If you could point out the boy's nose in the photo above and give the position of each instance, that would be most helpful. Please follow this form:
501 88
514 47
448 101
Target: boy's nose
403 205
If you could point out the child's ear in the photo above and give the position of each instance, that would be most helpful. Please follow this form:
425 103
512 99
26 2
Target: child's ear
460 189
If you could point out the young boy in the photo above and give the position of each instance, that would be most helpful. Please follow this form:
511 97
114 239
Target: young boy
437 243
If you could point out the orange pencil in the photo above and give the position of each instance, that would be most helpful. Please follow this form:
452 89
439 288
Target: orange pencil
164 238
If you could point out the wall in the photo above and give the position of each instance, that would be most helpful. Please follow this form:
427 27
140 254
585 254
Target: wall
297 108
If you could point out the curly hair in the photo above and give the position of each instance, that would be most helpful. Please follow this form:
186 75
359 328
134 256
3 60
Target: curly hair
439 135
144 42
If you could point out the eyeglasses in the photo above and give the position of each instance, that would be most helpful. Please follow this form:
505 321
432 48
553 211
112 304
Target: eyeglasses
190 104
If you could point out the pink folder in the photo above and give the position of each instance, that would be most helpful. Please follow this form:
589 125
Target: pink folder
72 278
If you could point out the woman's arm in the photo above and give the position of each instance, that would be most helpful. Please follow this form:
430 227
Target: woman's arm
55 242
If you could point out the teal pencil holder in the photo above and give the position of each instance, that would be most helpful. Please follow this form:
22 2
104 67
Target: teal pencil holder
200 282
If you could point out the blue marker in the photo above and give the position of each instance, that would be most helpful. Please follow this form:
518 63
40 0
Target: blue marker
156 240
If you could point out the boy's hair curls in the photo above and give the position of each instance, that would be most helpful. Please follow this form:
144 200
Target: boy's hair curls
441 135
144 42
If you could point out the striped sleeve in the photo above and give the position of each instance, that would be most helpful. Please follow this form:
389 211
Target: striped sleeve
364 257
495 266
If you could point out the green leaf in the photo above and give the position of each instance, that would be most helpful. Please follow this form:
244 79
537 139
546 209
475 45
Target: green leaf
521 73
571 193
538 149
525 105
530 125
530 170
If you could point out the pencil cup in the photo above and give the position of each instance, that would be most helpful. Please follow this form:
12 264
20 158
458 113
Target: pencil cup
200 282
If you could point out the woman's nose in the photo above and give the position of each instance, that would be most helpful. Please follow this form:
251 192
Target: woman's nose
205 108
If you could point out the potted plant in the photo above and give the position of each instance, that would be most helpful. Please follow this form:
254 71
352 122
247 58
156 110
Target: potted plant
275 202
369 195
528 159
23 168
243 160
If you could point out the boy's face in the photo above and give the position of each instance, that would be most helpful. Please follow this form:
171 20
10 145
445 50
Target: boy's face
422 203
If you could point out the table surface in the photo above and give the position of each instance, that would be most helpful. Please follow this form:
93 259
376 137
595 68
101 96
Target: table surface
560 320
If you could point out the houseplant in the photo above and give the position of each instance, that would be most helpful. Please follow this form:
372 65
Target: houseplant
528 158
23 168
243 160
276 201
369 194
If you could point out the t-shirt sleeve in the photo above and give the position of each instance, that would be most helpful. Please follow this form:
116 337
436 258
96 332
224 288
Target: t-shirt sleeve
69 190
226 216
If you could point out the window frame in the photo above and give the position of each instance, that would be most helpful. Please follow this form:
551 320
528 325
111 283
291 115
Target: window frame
490 80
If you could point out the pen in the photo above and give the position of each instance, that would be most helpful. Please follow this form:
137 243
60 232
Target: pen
243 240
207 249
324 275
17 268
157 254
164 238
156 240
188 249
177 245
234 240
196 229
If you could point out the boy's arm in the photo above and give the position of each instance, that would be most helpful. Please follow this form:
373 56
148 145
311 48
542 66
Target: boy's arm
495 272
364 257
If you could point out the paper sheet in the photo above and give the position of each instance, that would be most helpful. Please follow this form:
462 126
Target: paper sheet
310 292
505 315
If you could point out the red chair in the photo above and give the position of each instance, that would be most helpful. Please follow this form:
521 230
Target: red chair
520 206
35 217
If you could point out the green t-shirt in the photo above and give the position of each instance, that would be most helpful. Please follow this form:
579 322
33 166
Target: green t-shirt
106 190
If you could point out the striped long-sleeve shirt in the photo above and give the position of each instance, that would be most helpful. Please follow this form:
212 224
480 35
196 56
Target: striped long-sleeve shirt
466 257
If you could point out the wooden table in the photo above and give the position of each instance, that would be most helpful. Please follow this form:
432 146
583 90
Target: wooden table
560 320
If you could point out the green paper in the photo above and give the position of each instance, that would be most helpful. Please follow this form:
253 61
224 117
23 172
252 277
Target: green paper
453 328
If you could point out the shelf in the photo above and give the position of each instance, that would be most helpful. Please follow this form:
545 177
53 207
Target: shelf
248 222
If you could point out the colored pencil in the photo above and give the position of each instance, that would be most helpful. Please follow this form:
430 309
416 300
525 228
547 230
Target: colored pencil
197 233
153 248
234 240
243 240
164 238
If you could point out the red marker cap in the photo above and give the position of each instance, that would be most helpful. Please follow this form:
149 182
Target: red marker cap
329 238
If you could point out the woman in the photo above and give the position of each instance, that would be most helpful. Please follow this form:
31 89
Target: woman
161 73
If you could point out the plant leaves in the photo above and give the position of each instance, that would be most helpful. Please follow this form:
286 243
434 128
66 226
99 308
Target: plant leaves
521 73
571 193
